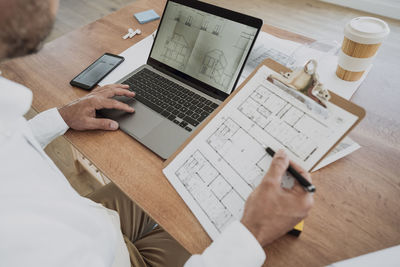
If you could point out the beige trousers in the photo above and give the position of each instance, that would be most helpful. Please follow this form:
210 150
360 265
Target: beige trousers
147 247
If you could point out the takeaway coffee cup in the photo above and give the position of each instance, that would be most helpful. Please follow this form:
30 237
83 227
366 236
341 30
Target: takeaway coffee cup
362 38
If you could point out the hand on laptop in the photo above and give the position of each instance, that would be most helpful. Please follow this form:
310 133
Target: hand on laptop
271 211
81 113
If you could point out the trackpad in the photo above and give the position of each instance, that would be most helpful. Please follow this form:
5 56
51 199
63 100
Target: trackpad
141 122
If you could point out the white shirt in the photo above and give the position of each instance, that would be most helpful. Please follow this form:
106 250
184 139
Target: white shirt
45 222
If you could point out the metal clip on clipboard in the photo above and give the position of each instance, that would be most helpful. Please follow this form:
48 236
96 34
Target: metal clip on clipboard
303 84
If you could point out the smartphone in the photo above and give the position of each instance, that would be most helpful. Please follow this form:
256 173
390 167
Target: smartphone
99 69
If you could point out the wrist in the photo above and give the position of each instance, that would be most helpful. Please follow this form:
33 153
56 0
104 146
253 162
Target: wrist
235 246
253 229
64 115
263 235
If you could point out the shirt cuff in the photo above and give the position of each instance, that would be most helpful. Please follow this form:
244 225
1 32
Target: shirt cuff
47 126
236 246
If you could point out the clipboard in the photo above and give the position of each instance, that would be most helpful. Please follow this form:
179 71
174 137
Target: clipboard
350 107
346 105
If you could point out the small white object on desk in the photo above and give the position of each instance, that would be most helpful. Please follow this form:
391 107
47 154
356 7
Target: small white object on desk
131 33
126 36
138 31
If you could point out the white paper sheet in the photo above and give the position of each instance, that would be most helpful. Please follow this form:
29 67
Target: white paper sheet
135 56
388 257
344 148
219 168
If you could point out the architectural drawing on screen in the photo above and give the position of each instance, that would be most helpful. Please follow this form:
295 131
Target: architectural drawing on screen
204 46
176 50
214 65
244 40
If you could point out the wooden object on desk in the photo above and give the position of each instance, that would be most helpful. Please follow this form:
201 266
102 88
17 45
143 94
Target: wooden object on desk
83 164
356 207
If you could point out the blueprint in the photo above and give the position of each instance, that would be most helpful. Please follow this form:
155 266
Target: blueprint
206 47
221 166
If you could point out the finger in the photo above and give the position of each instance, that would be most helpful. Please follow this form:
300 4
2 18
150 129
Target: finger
102 124
302 202
96 89
117 85
110 87
120 85
112 104
119 92
300 170
278 166
297 187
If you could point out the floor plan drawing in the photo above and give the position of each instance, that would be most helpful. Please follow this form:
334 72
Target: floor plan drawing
233 144
292 128
217 171
216 197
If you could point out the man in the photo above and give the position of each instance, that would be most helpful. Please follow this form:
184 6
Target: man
44 222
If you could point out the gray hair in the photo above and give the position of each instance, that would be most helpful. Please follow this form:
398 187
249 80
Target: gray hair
25 24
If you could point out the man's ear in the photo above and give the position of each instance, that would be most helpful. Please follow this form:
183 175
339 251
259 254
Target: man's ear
54 5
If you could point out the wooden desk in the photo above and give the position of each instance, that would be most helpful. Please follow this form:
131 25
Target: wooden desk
357 206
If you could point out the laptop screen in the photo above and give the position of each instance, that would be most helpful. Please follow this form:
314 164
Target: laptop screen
206 47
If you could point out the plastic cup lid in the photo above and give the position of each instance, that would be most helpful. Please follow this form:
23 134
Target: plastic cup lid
366 30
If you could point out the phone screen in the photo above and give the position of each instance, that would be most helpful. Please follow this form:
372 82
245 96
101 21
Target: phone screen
92 75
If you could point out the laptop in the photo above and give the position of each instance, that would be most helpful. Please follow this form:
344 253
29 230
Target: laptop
195 62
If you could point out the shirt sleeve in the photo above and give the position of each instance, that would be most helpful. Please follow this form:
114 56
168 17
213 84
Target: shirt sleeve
47 126
235 247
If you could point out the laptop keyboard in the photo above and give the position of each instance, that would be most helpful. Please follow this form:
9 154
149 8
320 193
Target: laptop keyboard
176 103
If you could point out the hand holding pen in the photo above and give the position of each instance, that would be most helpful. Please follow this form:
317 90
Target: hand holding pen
309 187
271 210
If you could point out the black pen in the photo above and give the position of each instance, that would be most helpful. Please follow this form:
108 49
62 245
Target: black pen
309 187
